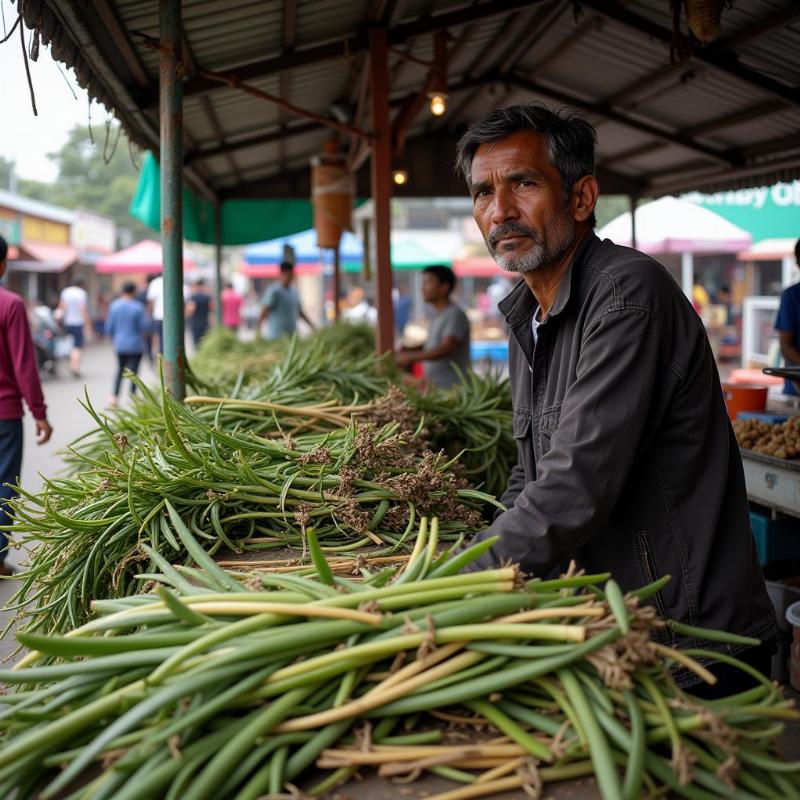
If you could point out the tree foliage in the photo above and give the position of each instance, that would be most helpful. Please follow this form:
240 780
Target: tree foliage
95 173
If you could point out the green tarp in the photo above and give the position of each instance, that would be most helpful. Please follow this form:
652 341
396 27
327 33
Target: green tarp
243 221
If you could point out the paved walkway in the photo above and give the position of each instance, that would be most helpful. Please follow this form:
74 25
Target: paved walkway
69 420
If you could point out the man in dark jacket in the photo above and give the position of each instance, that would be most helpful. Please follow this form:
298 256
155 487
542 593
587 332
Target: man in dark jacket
626 459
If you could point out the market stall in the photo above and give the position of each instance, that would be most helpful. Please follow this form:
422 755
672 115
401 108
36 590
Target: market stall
155 671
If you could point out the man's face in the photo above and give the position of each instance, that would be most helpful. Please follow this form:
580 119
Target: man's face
519 204
287 276
433 289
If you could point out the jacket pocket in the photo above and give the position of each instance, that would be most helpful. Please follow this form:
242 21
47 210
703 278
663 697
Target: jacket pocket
649 574
548 425
521 424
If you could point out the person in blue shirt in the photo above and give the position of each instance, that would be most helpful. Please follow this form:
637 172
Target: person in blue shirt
125 325
280 306
788 326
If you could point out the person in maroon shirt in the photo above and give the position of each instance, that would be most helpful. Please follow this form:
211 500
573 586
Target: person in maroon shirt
19 379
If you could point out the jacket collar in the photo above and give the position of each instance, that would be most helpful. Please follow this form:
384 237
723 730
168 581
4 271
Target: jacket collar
519 305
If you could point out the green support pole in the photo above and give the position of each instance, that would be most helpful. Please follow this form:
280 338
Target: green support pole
171 119
218 262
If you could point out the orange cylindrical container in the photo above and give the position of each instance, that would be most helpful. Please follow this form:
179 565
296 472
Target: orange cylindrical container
744 397
332 196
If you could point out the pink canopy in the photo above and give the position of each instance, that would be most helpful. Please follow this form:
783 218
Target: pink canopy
144 257
274 270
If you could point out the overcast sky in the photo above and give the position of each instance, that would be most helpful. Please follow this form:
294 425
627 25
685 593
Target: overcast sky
27 139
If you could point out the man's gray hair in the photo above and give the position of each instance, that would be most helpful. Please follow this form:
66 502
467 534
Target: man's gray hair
570 139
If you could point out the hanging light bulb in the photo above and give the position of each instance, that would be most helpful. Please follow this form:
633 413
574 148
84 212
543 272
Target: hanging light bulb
400 177
437 78
438 104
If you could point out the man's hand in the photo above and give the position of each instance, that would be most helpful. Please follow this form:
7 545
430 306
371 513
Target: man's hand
43 431
405 359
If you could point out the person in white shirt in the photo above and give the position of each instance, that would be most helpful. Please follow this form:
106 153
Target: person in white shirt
155 306
73 313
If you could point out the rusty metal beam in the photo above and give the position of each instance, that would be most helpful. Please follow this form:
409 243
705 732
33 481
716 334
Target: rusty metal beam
289 25
591 25
289 37
607 112
627 95
720 58
771 147
208 110
288 132
783 169
532 34
285 132
758 111
353 45
425 154
527 38
779 19
381 172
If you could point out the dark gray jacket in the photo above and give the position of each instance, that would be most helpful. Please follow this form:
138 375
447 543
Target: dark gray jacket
626 459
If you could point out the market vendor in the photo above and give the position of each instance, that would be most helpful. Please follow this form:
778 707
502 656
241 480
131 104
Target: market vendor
446 353
626 459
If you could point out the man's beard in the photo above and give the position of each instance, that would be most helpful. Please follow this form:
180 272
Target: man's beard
546 250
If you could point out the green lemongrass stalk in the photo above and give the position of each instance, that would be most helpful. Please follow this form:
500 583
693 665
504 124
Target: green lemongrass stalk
710 635
259 723
616 602
510 728
514 674
63 729
458 633
634 771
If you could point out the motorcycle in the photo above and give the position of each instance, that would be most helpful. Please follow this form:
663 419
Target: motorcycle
49 340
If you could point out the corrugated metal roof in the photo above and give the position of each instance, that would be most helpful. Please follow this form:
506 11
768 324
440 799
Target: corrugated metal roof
657 121
36 208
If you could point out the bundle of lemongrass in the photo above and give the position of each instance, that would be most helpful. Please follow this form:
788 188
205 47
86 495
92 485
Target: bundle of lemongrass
358 486
318 386
225 685
222 355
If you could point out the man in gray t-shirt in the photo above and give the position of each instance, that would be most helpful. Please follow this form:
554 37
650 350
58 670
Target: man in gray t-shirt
280 306
447 347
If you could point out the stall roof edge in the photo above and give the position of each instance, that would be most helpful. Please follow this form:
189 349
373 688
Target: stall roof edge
666 109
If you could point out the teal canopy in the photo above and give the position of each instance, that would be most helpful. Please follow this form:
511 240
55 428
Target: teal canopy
243 221
765 212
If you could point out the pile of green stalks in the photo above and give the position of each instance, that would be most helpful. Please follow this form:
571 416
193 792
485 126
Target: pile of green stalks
232 685
359 486
302 377
471 421
223 356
